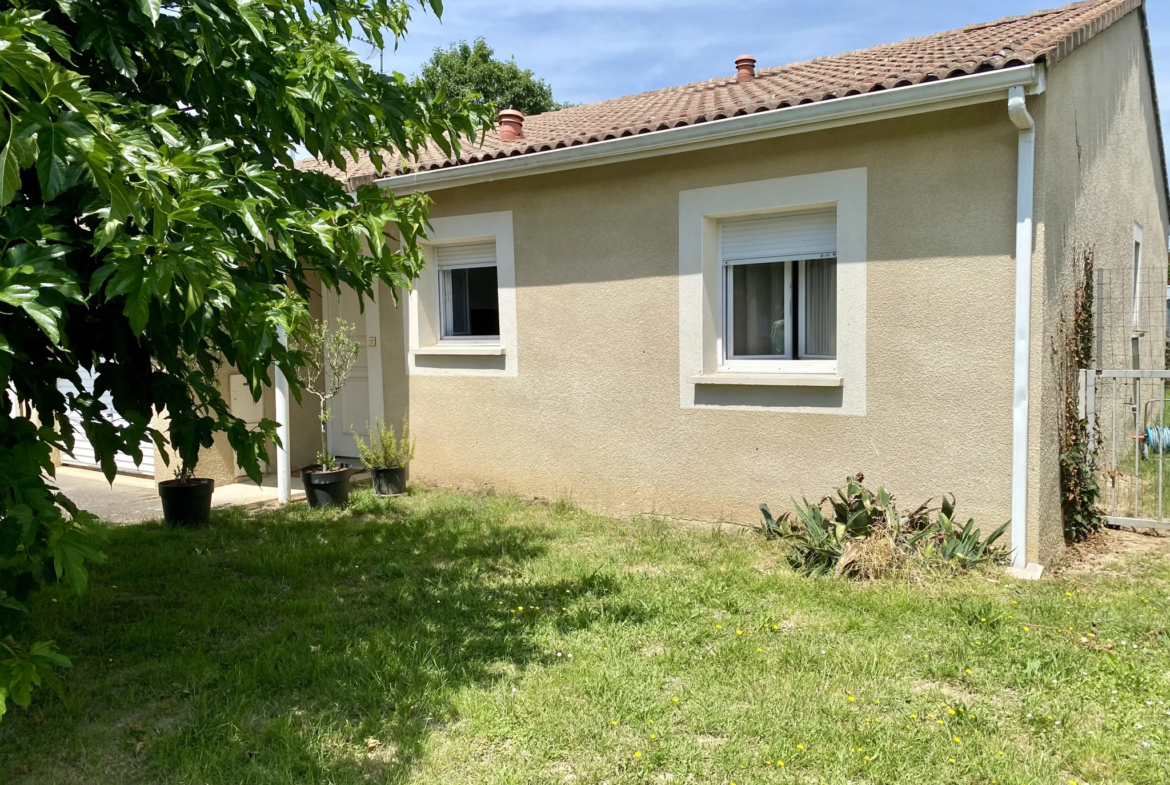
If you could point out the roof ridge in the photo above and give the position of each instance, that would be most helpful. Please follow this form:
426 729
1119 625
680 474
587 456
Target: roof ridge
1047 35
730 79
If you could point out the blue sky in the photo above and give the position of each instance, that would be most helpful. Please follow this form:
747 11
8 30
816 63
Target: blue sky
589 50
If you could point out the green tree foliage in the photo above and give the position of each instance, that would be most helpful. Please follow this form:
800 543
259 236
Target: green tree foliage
471 70
153 227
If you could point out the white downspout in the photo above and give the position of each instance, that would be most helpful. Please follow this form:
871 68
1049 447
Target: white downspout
1025 183
283 464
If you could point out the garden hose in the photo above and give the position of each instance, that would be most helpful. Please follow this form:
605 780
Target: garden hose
1158 438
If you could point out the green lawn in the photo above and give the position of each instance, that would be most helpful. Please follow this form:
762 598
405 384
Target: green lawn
440 638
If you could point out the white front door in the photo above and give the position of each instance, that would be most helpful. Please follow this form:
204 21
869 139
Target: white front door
351 407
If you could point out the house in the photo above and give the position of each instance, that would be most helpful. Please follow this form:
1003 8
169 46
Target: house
694 300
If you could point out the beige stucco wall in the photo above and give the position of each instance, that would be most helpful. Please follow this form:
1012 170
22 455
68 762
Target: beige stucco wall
217 462
1098 171
594 413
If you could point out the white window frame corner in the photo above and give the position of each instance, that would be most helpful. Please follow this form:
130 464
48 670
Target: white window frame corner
423 303
703 325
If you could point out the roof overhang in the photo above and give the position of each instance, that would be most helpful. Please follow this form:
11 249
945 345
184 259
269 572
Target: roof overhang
870 107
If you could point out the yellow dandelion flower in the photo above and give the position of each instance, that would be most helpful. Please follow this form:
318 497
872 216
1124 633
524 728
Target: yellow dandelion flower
613 722
718 626
968 671
957 740
913 716
758 649
1026 628
852 699
653 735
950 711
950 760
940 722
638 754
800 746
1001 752
739 632
675 700
779 763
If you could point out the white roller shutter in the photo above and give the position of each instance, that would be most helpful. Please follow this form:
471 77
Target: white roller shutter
467 254
83 452
787 237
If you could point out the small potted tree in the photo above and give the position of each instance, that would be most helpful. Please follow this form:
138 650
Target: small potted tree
331 359
186 500
386 456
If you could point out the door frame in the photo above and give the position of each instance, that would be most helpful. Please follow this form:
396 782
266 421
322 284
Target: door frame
330 310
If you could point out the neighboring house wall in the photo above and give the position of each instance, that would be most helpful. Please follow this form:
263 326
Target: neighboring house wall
1098 171
594 411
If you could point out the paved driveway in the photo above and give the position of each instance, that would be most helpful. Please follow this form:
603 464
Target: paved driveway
128 500
133 499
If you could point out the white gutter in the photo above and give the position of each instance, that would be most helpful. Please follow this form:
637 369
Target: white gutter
1025 184
885 104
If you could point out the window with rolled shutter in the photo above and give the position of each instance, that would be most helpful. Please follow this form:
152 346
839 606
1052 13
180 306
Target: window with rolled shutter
780 282
469 290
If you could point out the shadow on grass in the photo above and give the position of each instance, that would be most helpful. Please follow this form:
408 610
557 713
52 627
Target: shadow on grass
271 648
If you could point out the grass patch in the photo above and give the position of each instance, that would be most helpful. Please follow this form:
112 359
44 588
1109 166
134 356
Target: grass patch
440 638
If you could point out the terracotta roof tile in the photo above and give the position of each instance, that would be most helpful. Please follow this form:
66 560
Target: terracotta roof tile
1047 36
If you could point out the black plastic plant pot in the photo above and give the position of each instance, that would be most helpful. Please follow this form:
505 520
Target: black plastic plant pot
326 488
186 502
389 482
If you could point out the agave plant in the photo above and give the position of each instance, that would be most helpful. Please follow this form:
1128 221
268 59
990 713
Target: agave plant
818 545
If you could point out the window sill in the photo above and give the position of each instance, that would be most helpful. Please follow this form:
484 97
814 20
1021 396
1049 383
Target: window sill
470 350
770 379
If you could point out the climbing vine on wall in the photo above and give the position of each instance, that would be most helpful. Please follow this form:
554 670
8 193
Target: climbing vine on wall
1079 488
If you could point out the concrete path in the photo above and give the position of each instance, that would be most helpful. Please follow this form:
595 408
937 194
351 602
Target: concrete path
128 500
133 499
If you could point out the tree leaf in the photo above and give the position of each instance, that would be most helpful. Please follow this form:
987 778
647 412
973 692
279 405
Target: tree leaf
9 174
251 18
57 166
251 221
151 8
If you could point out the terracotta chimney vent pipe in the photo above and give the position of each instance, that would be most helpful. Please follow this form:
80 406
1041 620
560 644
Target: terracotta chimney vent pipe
511 125
745 66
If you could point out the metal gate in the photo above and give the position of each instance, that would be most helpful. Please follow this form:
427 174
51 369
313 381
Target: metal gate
1129 431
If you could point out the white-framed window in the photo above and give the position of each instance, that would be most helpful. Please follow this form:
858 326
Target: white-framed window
779 279
461 314
469 300
772 294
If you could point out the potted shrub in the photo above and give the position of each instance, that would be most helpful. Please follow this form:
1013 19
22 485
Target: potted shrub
186 500
386 456
331 359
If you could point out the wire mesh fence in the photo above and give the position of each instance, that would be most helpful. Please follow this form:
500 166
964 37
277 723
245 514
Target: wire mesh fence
1132 442
1128 396
1130 320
